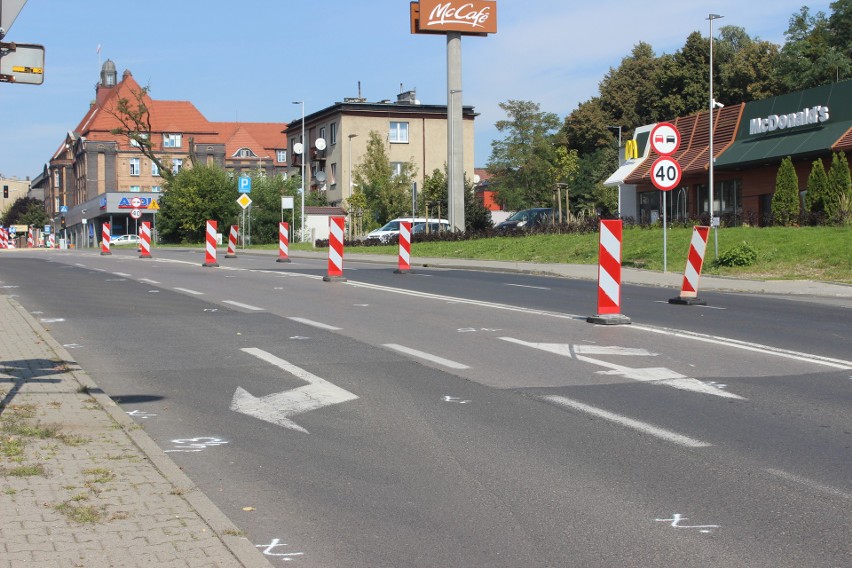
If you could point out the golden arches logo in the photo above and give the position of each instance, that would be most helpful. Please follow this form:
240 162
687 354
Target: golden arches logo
631 150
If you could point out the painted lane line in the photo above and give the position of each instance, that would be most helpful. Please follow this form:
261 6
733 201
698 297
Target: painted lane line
241 305
643 427
810 484
148 281
563 349
124 274
527 286
188 291
748 346
277 408
316 324
426 356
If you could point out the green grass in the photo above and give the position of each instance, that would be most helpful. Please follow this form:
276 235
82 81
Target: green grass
811 253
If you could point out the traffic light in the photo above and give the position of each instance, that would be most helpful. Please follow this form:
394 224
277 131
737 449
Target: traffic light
62 221
5 192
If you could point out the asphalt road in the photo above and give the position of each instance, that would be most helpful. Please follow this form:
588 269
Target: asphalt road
471 419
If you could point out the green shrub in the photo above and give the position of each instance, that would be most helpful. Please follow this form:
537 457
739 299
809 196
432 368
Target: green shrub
740 255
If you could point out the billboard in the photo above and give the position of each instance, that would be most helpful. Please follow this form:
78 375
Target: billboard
468 17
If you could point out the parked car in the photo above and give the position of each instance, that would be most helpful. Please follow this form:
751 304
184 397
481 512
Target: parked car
527 219
118 240
419 224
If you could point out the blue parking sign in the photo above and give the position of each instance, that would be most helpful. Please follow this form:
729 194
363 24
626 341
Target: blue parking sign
245 184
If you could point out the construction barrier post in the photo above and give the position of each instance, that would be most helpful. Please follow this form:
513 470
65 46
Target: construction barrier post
404 248
609 276
3 238
694 262
106 233
30 241
283 242
335 250
210 247
51 241
232 242
145 239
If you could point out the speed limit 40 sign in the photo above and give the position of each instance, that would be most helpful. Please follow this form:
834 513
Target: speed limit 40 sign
666 173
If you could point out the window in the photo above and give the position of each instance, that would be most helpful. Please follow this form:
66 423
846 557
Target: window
171 140
396 168
322 133
281 156
332 178
245 153
135 164
135 188
141 135
155 170
156 189
333 129
399 132
177 164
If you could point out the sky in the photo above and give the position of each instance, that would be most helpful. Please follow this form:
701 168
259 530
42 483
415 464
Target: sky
247 61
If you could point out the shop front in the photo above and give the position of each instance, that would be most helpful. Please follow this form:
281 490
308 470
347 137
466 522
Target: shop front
125 213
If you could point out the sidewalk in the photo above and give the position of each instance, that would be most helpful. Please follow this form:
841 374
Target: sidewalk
80 483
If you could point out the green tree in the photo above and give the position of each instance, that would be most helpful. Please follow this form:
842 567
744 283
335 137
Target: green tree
839 194
434 195
585 129
626 93
266 194
521 162
387 194
785 200
194 196
25 211
745 66
683 79
817 190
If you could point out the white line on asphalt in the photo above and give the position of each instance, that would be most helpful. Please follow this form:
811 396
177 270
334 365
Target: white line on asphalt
121 274
810 483
148 281
241 305
188 291
526 286
313 323
643 427
426 356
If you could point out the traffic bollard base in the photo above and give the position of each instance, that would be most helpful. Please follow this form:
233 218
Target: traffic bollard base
688 301
609 319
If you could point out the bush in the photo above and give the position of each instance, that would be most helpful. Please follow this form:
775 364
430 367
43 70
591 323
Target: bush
740 255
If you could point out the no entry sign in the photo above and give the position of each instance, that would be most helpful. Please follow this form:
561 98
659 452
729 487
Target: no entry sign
666 173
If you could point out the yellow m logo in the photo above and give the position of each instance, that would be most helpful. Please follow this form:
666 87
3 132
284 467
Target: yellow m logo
631 150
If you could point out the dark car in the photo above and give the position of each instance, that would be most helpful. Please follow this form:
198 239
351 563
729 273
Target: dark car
527 219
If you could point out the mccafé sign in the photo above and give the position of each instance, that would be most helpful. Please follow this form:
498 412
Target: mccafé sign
472 17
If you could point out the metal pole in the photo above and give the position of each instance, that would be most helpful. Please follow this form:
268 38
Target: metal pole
455 157
304 148
712 17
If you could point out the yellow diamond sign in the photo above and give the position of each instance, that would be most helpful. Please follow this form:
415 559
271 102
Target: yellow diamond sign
244 200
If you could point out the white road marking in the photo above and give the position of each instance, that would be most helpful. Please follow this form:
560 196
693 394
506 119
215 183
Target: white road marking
527 286
612 350
244 306
563 349
148 281
277 408
121 274
810 483
313 323
188 291
643 427
426 356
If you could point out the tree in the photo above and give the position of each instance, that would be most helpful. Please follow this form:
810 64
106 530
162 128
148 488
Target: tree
434 195
817 190
683 79
196 195
626 92
839 194
266 194
745 66
585 129
785 200
387 194
26 211
521 163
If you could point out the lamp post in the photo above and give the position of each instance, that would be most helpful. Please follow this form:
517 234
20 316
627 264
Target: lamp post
620 161
712 159
349 175
302 230
455 167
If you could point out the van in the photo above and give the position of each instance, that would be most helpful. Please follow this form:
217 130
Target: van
418 225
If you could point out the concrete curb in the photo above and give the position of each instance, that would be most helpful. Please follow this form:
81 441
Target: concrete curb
240 547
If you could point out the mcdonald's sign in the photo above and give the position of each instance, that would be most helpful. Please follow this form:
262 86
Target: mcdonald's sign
631 150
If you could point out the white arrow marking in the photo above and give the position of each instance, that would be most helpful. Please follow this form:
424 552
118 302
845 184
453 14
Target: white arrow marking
656 375
278 407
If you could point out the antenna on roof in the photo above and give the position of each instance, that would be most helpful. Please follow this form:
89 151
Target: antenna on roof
359 89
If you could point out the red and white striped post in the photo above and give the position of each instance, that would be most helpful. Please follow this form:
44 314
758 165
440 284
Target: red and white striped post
105 236
3 238
404 248
145 240
609 276
335 250
232 242
694 263
210 245
30 240
10 241
51 241
283 242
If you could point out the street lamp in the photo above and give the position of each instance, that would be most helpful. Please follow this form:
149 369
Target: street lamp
619 133
712 160
302 230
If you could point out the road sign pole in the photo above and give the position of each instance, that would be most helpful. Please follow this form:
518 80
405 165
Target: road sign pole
665 237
